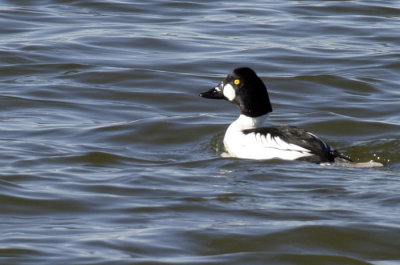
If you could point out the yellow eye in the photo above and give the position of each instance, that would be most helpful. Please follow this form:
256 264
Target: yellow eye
236 82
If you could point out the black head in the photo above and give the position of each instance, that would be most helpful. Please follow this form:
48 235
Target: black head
244 88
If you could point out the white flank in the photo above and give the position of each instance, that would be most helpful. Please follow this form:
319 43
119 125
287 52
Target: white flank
257 145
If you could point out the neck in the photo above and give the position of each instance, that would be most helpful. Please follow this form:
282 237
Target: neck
245 122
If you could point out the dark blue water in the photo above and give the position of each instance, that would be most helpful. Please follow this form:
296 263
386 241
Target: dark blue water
108 155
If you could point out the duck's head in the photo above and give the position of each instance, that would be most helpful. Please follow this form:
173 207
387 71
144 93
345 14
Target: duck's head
244 88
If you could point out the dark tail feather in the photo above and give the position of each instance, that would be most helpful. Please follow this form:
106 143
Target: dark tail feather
339 157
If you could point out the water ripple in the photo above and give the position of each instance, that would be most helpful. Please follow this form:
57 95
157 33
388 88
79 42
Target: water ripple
109 156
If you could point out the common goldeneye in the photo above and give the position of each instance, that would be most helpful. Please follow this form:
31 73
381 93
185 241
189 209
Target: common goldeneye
247 138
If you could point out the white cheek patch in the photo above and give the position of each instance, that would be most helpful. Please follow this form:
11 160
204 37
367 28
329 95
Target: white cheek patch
229 92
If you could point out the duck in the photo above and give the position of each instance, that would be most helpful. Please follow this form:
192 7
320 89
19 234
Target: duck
248 138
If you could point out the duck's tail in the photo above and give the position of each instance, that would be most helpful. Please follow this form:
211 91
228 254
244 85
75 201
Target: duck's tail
339 157
344 160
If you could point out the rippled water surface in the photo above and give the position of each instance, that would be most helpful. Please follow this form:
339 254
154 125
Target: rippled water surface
108 156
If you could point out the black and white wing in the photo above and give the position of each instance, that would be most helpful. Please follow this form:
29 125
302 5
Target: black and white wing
296 138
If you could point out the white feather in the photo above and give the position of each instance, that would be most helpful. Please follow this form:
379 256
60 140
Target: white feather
257 145
229 92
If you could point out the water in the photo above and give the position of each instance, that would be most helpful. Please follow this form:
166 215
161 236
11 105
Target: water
108 156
